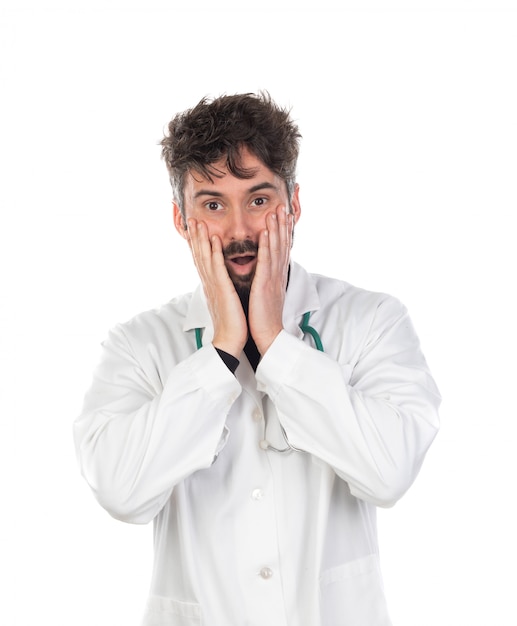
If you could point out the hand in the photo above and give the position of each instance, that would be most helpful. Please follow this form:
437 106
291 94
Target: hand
267 294
230 328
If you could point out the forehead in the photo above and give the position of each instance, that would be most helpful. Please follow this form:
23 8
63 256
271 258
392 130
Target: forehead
226 182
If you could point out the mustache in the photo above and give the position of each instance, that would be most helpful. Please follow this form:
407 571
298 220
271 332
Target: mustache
240 247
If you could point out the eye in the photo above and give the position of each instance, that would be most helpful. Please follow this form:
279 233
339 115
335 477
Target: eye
258 202
213 205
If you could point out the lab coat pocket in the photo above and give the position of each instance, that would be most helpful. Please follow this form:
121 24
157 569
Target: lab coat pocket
352 595
168 612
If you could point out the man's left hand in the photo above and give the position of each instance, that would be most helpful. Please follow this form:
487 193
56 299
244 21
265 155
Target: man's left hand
267 295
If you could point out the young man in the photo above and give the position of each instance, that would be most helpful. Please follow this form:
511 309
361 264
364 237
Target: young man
260 420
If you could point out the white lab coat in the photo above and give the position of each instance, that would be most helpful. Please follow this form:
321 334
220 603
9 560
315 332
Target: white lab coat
245 536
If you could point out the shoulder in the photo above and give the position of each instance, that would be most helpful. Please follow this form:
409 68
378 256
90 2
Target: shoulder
352 319
338 293
340 308
155 324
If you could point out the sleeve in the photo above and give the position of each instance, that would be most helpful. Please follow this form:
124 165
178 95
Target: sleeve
134 444
229 360
373 420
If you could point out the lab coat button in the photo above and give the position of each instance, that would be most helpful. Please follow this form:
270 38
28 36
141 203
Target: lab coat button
257 494
257 415
266 573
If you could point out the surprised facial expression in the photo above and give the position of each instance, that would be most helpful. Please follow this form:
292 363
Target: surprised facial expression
235 210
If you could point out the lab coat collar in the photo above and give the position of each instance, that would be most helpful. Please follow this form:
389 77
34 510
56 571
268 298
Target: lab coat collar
301 297
198 315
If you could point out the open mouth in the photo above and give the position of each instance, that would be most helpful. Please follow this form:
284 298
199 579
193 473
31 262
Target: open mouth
242 260
242 265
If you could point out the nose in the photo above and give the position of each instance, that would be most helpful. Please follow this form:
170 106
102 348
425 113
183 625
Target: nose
239 225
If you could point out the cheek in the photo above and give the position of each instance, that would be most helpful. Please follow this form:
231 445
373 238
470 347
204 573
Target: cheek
214 228
259 222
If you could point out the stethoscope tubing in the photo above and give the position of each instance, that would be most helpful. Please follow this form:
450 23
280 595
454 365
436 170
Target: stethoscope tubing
304 327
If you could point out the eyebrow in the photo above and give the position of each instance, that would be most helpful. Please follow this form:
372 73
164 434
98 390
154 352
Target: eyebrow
218 194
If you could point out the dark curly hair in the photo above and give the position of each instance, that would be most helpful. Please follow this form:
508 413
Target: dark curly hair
212 130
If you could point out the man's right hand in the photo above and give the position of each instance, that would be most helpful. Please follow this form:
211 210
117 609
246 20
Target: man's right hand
230 327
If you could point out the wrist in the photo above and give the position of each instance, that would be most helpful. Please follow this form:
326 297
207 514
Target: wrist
230 346
264 342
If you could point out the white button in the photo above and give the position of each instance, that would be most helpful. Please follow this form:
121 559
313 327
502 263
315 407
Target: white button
266 573
257 415
257 494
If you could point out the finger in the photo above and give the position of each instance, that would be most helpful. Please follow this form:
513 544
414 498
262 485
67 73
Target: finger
191 227
201 248
280 243
204 245
193 238
218 256
264 254
212 257
289 232
274 235
284 221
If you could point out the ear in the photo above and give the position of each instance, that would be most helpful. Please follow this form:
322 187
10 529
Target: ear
295 203
179 222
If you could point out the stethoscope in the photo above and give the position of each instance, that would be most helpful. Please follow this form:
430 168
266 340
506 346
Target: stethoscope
306 330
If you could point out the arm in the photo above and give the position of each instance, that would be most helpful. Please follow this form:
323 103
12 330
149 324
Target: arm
372 427
136 442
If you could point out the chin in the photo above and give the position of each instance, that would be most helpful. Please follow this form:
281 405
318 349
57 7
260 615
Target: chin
242 284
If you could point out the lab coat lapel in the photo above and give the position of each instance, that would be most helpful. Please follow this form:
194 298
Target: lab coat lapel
198 316
301 297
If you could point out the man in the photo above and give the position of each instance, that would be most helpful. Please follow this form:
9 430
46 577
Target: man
260 420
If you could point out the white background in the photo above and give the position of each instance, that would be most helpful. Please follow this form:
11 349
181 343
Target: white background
408 185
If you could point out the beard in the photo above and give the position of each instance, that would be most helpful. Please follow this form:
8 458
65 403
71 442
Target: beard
242 284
